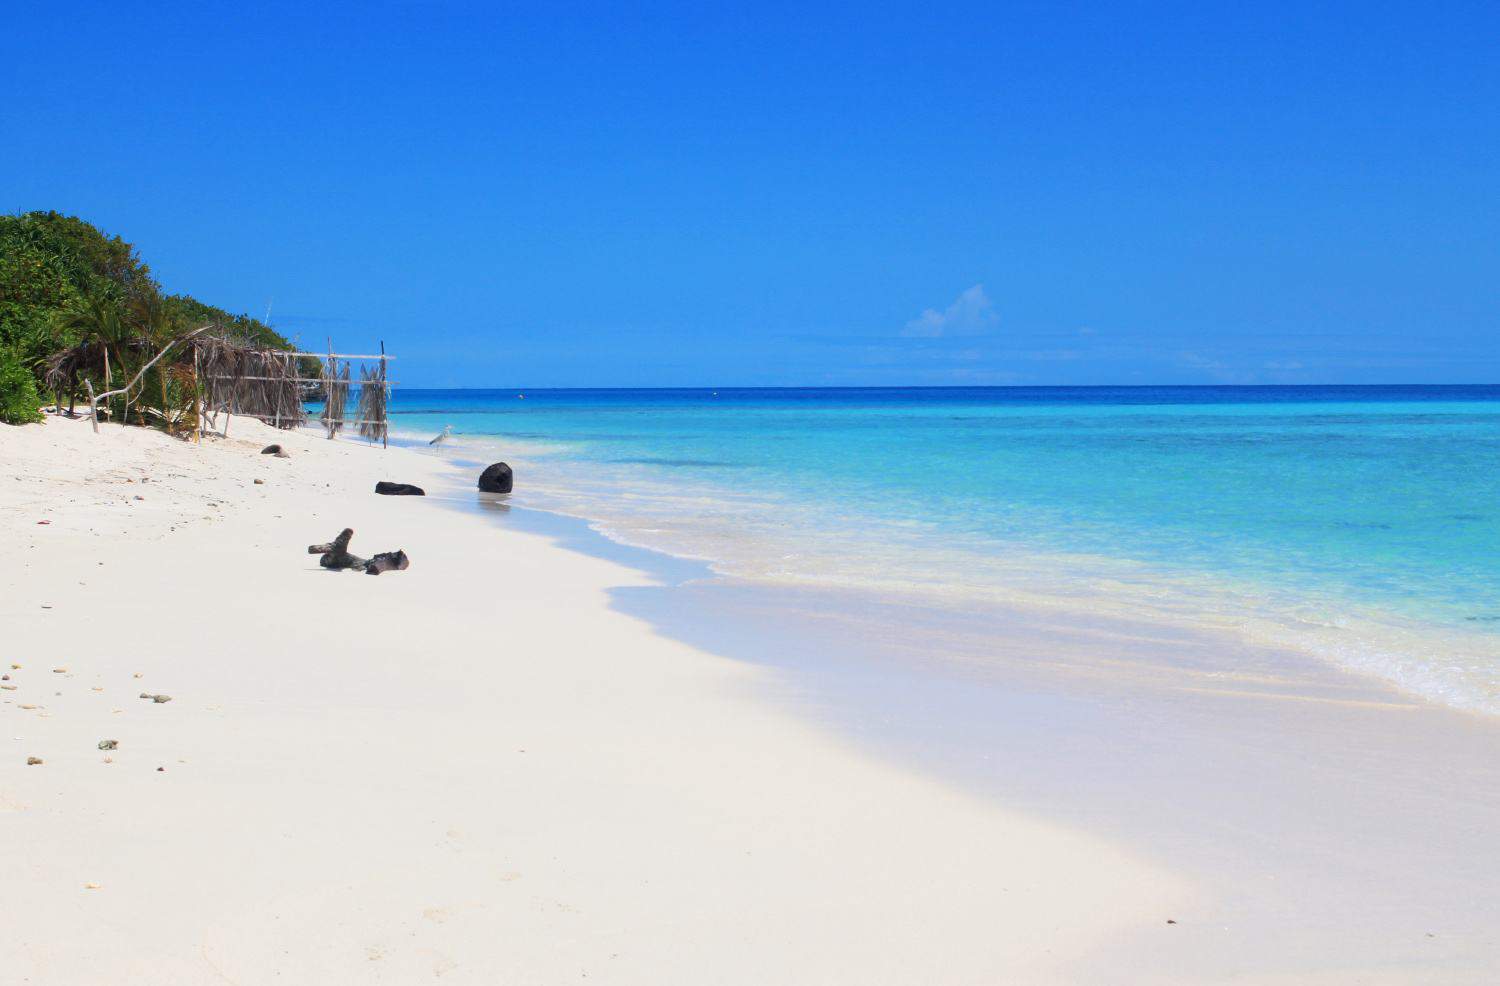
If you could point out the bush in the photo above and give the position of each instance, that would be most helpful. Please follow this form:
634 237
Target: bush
18 397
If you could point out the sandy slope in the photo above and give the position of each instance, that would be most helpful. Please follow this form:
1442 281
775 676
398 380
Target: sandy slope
472 770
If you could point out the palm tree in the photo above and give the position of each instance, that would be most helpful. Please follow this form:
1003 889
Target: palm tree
98 319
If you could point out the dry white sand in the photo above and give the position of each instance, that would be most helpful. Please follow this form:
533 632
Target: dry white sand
473 770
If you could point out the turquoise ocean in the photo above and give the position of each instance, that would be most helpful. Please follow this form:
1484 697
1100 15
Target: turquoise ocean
1358 524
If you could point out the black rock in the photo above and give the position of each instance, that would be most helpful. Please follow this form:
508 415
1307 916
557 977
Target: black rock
271 450
496 479
398 489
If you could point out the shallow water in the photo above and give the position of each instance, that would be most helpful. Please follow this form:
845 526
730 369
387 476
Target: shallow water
1358 524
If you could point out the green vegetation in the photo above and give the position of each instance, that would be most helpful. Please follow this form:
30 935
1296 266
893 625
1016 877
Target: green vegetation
66 286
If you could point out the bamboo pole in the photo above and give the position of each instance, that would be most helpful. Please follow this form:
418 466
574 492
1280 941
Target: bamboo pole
385 405
328 391
197 402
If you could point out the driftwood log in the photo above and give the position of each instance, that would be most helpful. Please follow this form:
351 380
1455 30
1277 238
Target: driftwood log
336 556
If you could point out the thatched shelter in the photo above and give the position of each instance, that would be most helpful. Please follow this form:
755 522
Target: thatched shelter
202 376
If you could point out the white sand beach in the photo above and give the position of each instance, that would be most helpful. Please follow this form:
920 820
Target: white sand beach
482 770
472 770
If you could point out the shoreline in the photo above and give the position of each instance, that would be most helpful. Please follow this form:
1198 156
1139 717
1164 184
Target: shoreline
912 820
1256 728
783 547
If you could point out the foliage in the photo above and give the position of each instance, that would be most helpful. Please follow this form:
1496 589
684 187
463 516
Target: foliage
64 283
18 396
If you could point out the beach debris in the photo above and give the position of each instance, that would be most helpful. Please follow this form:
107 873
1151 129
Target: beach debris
1170 921
137 674
161 770
497 478
44 522
260 482
336 556
33 761
108 744
15 667
398 489
91 886
387 561
28 708
158 699
59 670
275 450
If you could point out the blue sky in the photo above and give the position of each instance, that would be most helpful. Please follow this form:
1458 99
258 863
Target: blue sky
795 194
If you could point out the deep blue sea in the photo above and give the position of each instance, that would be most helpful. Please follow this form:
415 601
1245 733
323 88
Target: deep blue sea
1358 523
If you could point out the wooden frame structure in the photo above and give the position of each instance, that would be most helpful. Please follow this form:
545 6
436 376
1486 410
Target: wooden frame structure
234 376
334 379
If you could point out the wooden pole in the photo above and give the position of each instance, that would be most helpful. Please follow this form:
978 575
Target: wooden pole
385 405
93 407
197 402
328 392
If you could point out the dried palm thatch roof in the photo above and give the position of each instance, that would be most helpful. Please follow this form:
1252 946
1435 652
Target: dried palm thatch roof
337 397
243 378
372 403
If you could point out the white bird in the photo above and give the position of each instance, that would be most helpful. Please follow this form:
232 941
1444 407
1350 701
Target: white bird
447 430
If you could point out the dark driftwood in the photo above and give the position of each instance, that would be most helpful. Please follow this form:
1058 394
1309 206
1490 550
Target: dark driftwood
387 561
398 489
336 556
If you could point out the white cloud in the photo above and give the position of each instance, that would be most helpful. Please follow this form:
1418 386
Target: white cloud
972 313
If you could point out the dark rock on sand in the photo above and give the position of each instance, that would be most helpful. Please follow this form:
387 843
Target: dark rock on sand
275 450
398 489
496 479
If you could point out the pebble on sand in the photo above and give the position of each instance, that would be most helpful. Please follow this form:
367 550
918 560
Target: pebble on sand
109 744
33 761
91 886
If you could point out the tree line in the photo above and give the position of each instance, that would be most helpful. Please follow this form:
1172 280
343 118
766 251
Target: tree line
66 286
